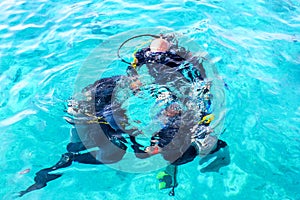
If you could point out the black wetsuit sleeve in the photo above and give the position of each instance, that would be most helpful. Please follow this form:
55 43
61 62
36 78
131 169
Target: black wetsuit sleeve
139 153
190 73
192 69
140 55
197 66
141 59
131 71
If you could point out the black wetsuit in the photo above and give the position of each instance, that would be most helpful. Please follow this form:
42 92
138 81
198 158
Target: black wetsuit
108 139
164 67
101 105
163 64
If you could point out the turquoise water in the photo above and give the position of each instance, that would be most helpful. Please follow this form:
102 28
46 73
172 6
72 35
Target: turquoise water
255 46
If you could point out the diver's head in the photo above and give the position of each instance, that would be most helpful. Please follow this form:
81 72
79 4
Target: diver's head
159 45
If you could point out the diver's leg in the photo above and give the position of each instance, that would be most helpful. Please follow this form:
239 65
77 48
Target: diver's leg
172 170
43 177
75 144
168 177
87 158
75 147
188 156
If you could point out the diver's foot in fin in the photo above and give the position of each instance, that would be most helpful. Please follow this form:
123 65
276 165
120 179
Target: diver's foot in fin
30 189
41 179
165 180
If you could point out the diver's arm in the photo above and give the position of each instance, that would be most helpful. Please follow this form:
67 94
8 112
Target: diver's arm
140 153
135 85
133 74
149 151
139 60
198 64
131 71
195 61
152 150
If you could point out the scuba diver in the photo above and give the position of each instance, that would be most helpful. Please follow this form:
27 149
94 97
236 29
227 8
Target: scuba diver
179 144
90 144
165 59
176 141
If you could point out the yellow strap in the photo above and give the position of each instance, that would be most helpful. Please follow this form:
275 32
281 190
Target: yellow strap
96 121
133 64
207 119
89 114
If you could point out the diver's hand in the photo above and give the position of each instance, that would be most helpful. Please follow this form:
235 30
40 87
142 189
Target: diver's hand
135 86
152 150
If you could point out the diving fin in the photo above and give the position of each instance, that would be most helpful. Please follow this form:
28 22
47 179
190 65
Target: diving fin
43 177
165 180
41 180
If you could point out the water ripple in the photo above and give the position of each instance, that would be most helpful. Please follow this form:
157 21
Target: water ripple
254 45
16 118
